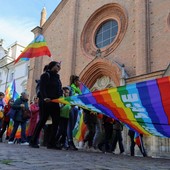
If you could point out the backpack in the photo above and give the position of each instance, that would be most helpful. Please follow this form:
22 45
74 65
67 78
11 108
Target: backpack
37 88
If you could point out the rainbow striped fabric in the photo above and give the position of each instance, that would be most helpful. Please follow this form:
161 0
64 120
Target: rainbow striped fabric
84 89
38 47
80 127
24 59
18 133
11 92
144 106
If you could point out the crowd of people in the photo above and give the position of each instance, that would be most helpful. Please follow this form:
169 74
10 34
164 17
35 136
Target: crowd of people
103 133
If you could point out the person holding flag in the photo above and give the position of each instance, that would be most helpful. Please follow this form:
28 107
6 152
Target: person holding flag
19 106
50 88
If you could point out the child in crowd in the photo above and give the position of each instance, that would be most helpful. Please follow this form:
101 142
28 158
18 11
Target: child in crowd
75 89
64 116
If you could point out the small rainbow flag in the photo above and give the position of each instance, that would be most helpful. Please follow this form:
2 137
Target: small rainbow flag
38 47
11 92
80 128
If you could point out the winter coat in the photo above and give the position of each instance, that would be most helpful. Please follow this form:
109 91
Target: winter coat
6 110
50 86
16 106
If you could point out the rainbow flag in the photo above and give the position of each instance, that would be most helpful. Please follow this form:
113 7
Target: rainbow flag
18 133
38 47
24 59
137 139
11 92
144 106
84 89
80 128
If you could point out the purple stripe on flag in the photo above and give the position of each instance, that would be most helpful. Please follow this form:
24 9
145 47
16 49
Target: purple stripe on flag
159 113
155 99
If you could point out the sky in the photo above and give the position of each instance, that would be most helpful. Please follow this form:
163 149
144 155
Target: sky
19 17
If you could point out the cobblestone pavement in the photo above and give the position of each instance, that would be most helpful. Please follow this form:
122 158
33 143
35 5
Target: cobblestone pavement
17 157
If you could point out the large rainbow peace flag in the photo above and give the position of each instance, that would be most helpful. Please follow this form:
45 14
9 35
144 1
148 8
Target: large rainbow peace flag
38 47
144 106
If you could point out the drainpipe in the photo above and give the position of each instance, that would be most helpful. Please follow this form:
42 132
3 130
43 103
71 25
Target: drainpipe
148 40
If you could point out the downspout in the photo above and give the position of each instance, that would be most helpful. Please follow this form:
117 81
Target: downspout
148 40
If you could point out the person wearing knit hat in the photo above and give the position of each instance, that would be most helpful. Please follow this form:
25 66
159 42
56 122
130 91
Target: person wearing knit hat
50 88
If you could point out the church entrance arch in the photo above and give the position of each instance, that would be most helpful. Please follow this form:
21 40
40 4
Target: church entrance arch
101 71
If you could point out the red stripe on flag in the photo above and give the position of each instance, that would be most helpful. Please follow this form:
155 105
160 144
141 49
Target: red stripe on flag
164 87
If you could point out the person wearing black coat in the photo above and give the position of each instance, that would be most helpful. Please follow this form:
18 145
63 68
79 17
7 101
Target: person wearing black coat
50 88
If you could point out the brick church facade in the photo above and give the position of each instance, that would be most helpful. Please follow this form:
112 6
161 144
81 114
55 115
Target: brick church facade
108 43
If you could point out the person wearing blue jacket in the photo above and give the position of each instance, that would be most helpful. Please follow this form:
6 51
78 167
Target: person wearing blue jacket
19 104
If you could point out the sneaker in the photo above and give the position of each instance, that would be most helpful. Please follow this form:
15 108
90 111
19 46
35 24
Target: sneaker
10 142
122 153
72 146
24 143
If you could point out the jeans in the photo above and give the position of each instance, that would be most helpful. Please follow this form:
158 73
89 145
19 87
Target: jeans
98 133
117 138
15 128
71 123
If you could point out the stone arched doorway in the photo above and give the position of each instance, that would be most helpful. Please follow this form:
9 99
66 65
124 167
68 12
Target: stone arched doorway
99 68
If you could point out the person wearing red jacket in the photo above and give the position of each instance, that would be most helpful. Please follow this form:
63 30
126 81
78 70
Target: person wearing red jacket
6 118
34 107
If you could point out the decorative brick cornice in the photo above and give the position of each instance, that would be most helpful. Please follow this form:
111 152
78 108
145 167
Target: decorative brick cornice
98 68
107 12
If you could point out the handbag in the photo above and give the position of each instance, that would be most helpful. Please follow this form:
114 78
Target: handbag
26 114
